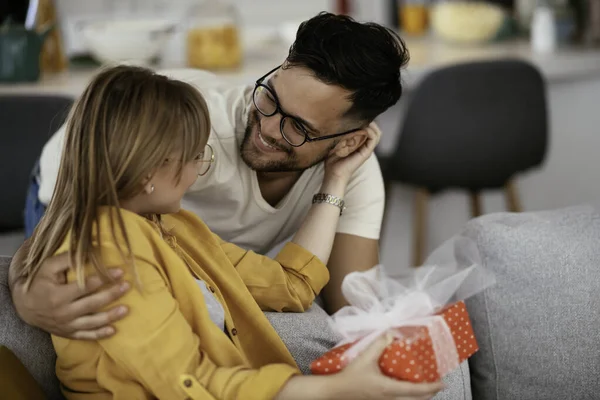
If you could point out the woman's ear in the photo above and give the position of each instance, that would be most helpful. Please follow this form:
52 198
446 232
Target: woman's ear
148 185
149 188
349 144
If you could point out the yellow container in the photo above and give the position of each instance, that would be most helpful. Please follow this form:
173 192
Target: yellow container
213 40
414 19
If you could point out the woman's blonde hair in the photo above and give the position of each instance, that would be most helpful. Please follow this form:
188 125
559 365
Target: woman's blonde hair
123 127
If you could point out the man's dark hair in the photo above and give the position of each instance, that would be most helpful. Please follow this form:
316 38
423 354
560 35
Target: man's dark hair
364 58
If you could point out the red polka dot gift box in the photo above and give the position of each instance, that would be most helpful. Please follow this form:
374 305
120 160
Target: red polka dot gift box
411 356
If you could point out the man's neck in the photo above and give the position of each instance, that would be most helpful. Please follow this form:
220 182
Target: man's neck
274 186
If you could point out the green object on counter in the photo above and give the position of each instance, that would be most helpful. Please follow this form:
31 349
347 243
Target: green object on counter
83 60
20 51
507 30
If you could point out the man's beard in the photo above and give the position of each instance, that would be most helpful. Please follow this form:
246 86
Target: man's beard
254 158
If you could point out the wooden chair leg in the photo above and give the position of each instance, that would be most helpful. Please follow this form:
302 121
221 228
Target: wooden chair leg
420 226
511 194
475 204
388 186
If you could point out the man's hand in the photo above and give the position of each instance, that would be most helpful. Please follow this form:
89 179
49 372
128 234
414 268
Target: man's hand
342 167
64 309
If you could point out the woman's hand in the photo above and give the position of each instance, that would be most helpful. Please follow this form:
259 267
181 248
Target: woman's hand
342 168
360 380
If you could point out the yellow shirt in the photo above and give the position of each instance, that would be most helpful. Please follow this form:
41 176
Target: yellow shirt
168 347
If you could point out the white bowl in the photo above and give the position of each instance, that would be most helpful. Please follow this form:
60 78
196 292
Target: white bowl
466 22
133 41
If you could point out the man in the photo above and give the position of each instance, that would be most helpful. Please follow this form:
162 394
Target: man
272 141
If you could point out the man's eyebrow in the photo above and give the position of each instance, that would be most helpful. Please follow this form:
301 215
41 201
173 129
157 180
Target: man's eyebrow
305 123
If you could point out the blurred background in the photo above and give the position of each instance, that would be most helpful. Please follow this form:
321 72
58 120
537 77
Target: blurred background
500 110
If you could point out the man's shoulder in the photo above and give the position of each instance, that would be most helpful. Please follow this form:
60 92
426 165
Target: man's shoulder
198 78
227 104
368 176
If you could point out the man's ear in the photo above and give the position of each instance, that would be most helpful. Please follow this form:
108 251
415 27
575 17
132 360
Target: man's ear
349 144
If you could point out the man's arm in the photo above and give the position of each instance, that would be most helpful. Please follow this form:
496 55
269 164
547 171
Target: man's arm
356 244
350 253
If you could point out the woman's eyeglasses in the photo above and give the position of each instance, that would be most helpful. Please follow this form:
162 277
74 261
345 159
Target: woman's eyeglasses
205 161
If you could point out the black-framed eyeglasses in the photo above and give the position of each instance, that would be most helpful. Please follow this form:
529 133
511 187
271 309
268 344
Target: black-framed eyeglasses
293 130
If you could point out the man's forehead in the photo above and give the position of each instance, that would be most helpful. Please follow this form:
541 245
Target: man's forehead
303 95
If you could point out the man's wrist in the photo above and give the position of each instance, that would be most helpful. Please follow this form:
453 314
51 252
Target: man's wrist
334 187
326 198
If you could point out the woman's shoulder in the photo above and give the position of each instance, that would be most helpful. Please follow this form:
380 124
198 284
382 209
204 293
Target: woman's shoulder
141 233
108 217
120 237
107 227
185 222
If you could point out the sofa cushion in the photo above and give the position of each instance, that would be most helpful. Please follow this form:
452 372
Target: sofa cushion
32 346
16 383
538 326
307 335
458 385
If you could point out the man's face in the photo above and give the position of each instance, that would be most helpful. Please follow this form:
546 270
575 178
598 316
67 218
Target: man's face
321 108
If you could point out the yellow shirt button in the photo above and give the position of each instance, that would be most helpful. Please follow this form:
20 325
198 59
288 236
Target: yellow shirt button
187 383
234 332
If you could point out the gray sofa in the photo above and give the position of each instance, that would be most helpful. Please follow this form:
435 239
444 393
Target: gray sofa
538 327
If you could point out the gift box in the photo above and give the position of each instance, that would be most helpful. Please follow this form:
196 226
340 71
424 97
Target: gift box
422 309
412 360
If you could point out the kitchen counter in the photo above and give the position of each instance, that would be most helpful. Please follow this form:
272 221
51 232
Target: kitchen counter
566 64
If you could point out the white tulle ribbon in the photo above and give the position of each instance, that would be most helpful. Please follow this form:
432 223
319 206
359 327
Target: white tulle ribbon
381 303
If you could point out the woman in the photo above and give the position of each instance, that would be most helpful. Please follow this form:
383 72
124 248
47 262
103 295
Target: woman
135 142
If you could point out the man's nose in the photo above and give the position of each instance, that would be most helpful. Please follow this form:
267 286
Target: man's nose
270 126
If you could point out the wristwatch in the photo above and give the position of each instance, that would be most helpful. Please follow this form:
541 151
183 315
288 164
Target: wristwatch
329 199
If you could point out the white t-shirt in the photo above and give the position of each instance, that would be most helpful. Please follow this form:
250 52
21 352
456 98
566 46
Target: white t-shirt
228 198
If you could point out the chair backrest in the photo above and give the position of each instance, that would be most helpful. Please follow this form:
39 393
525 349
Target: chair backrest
26 123
473 126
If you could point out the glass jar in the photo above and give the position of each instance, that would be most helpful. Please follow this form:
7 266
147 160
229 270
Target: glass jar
414 17
213 40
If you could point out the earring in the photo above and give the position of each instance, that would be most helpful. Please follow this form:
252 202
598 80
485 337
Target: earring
151 188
